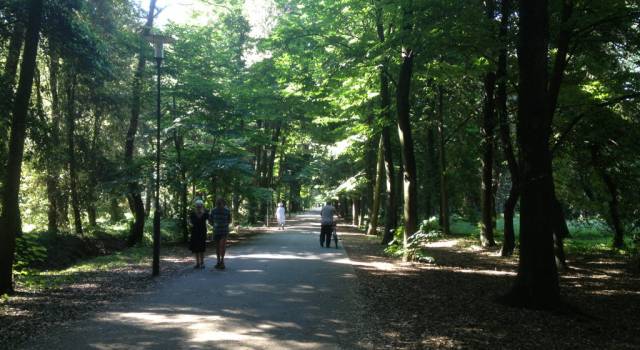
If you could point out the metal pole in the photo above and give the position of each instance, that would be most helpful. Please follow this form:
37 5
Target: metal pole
156 217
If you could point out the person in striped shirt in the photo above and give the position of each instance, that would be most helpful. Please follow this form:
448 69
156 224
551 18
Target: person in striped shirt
220 218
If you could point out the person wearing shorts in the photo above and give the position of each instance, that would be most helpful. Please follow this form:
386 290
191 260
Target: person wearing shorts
220 218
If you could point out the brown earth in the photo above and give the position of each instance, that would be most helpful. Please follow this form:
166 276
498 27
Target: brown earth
452 304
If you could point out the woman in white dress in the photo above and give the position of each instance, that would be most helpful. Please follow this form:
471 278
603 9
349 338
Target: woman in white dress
280 216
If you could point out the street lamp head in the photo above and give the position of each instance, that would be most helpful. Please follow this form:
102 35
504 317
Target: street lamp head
158 42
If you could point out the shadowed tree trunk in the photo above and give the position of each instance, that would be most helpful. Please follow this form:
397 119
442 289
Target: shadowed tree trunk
375 208
614 200
403 102
509 242
560 229
92 209
431 172
487 131
53 169
385 107
536 284
444 193
7 84
134 196
71 85
10 219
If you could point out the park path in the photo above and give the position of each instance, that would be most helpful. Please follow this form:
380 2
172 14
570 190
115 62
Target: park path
280 290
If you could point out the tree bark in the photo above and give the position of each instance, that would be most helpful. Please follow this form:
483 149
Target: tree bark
444 192
71 85
431 173
487 131
614 200
536 284
355 211
133 196
385 107
178 141
509 242
92 197
10 219
406 143
375 207
7 84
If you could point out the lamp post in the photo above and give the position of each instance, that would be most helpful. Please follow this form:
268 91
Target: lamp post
158 45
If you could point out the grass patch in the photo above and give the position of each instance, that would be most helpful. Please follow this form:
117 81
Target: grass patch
587 236
45 279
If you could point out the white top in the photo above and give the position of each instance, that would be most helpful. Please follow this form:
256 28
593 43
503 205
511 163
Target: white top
327 213
280 214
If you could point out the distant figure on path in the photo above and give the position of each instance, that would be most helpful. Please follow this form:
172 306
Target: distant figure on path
326 224
220 218
198 224
280 215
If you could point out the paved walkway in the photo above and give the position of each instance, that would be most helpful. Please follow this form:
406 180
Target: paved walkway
280 290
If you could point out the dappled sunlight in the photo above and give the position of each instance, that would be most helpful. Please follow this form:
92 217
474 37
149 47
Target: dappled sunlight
441 342
224 332
446 243
383 266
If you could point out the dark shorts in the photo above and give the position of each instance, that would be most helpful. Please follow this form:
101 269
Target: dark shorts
219 237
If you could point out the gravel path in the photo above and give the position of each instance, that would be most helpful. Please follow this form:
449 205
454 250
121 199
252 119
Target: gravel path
280 290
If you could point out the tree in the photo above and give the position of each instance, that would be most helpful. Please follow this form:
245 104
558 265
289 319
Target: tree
10 219
133 196
404 125
536 284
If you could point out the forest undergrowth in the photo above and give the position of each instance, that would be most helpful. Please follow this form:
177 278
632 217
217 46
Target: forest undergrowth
452 304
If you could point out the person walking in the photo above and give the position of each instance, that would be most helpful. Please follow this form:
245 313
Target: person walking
327 214
280 215
220 218
198 224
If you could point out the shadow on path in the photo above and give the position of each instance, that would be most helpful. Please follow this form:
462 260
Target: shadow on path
280 290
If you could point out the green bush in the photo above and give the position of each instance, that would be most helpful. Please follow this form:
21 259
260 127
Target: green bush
29 251
413 250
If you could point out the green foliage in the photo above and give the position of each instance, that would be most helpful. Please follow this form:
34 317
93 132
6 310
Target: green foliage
35 279
29 251
414 248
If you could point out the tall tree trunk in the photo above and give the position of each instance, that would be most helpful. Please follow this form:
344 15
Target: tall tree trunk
560 229
178 141
7 84
406 143
431 173
509 242
444 191
133 196
355 211
614 200
92 198
385 108
10 219
404 125
536 284
487 130
375 208
71 85
48 145
115 213
272 158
